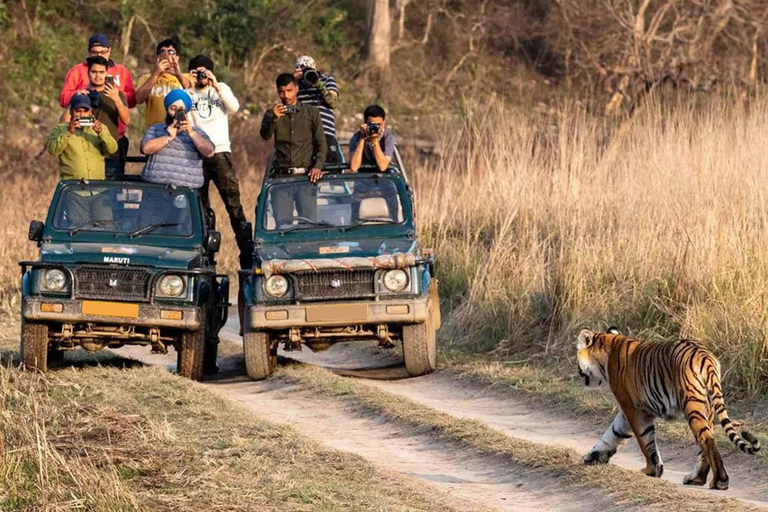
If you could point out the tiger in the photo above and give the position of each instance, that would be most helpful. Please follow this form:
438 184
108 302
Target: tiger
659 380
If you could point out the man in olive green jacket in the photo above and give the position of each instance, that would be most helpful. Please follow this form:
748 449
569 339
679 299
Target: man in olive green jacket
81 148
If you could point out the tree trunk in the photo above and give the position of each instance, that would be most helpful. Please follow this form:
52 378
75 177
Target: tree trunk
379 38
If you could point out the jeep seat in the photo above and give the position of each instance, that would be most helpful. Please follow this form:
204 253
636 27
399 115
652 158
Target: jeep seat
373 208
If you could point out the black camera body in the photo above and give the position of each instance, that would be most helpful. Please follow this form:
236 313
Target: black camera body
311 76
202 75
291 109
373 128
180 115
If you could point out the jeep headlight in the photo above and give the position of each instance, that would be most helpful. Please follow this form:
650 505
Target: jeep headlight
395 280
54 280
171 286
276 286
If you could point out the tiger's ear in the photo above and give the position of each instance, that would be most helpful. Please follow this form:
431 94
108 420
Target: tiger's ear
613 330
586 338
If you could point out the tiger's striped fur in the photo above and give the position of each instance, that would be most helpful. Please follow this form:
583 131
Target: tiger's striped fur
660 380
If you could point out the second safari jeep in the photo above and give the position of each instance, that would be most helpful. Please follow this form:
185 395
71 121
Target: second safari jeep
336 261
124 263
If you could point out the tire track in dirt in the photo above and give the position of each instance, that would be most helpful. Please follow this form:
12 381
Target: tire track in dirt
516 418
479 481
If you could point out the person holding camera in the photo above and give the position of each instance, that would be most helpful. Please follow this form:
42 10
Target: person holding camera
109 107
212 102
81 144
77 80
300 148
373 144
372 149
175 148
321 91
165 78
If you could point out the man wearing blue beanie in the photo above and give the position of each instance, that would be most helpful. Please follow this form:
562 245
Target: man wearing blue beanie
176 147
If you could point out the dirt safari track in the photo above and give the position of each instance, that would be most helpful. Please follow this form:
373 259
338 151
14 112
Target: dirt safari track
471 480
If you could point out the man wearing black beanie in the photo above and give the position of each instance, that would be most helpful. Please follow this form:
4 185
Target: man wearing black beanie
212 102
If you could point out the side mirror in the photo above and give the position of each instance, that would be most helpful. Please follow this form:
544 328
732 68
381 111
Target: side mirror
213 243
36 231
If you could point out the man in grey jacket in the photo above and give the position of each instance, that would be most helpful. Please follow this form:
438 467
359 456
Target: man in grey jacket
176 148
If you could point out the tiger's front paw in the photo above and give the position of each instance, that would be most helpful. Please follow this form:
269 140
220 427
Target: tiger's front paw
599 454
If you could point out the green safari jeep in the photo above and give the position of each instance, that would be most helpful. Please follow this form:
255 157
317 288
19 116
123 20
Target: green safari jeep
335 261
124 263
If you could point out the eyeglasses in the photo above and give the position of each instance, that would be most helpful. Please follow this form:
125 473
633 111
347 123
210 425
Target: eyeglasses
99 53
168 52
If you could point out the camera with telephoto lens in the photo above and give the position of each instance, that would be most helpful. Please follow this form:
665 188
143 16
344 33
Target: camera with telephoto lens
86 121
180 116
202 75
291 109
311 76
373 128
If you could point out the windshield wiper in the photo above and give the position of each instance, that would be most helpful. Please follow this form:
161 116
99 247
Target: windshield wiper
152 227
368 222
91 224
307 224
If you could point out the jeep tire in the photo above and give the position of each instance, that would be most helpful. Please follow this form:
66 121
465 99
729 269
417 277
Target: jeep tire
191 355
34 346
260 358
419 348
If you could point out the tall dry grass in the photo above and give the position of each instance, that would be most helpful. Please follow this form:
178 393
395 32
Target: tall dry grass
659 227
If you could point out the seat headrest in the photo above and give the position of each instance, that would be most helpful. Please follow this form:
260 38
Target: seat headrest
373 208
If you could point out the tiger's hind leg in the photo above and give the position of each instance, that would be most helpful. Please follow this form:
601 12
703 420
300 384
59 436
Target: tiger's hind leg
698 475
702 431
616 435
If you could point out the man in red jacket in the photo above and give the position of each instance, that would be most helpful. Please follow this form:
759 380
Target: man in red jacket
77 81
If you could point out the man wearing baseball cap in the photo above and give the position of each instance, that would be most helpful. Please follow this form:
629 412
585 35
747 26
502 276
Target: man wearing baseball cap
321 91
82 144
77 81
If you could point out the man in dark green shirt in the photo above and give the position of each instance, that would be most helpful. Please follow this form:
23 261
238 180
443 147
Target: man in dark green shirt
300 145
300 148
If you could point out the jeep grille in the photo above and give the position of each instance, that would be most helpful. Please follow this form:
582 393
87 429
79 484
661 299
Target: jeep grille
335 284
103 282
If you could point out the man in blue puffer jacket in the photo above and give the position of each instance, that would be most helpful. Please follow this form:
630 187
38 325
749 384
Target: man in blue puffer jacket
176 148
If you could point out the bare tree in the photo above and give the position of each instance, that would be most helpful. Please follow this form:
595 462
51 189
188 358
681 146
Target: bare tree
379 37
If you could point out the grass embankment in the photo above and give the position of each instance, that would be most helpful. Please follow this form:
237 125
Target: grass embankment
658 227
142 439
623 486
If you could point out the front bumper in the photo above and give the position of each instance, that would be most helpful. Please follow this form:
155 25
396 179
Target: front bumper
337 314
149 315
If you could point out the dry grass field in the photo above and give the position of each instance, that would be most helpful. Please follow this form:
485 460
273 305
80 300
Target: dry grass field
544 227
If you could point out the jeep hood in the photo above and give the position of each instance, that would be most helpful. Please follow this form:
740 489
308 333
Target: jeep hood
120 254
337 248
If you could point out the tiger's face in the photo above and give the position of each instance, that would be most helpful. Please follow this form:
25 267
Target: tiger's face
592 358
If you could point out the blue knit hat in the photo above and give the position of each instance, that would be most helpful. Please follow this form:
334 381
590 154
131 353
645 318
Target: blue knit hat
176 95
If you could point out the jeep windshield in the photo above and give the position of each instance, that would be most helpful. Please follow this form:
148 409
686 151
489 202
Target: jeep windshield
124 208
337 202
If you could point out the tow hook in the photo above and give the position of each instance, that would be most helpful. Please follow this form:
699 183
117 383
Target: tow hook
384 336
294 340
158 347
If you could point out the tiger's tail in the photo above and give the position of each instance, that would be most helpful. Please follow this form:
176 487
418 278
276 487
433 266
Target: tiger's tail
746 442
